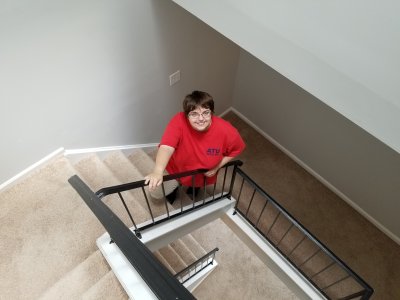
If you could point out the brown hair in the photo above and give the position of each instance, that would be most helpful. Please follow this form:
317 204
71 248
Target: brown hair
198 98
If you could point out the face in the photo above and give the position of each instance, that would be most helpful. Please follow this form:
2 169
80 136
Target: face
200 118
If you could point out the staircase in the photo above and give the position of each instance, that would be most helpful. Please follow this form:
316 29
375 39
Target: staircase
50 251
50 233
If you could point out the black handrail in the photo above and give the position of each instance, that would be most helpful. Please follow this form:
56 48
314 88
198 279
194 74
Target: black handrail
157 277
118 189
367 289
138 184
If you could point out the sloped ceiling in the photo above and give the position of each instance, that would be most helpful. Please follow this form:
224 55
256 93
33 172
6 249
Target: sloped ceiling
344 53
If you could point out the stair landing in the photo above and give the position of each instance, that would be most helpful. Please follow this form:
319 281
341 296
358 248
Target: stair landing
155 238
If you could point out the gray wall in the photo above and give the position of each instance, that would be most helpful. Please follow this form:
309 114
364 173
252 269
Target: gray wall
79 74
354 162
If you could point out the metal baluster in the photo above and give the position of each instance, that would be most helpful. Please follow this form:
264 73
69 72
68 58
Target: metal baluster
308 259
251 200
127 210
193 195
148 204
223 183
240 193
215 185
324 269
180 196
204 194
232 181
298 244
262 211
165 199
273 223
291 226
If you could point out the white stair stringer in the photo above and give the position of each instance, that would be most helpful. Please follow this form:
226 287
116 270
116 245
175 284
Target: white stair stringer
155 238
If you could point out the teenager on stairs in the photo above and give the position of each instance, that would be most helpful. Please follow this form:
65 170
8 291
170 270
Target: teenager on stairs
195 139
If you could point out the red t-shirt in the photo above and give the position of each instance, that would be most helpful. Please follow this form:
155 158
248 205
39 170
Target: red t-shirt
199 149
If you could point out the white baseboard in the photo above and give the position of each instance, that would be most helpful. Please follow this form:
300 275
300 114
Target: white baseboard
41 163
226 111
386 231
74 155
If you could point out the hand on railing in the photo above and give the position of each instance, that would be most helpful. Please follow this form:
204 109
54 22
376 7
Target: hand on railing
141 183
211 173
154 180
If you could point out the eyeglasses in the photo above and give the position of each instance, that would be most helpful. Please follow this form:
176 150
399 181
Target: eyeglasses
195 115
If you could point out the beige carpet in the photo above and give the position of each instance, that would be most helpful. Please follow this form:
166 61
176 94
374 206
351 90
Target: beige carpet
48 239
48 234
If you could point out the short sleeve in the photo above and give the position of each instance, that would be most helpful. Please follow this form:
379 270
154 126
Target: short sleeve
173 132
235 144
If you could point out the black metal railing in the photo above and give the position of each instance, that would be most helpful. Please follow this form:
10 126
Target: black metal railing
157 277
185 203
196 267
322 268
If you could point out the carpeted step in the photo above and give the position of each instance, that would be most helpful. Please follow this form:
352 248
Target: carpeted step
47 230
151 152
184 252
194 246
78 280
108 287
122 168
126 172
173 258
162 260
142 161
97 175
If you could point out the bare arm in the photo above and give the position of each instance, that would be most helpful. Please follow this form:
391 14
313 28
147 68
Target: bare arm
155 178
222 163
